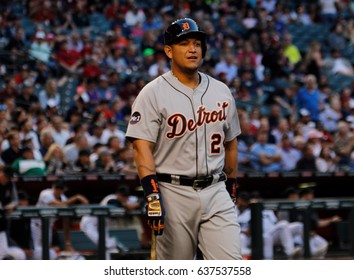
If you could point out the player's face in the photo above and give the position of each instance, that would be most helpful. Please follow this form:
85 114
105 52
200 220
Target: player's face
186 54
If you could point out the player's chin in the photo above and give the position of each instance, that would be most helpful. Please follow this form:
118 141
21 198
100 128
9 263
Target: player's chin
194 63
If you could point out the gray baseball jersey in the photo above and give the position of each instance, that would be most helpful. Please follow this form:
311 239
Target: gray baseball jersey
187 126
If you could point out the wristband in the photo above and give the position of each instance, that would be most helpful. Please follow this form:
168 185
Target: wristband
150 184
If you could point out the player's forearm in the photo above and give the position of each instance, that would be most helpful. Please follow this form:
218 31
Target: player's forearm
231 161
143 157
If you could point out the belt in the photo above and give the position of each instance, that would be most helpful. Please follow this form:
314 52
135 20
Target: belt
198 183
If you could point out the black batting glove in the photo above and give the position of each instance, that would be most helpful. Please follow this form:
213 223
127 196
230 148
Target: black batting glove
231 186
155 211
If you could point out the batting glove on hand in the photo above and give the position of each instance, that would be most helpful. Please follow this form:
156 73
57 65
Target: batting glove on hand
231 184
155 211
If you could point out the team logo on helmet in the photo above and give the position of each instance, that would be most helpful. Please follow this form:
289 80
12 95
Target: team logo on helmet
186 26
135 118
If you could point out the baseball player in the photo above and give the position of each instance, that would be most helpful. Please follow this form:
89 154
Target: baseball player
53 196
89 224
183 127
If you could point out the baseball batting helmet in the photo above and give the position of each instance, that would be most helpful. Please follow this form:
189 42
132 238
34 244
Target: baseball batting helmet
182 28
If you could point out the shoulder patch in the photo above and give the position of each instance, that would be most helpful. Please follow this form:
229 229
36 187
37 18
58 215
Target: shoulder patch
135 118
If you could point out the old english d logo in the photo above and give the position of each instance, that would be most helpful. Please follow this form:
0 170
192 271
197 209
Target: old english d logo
185 26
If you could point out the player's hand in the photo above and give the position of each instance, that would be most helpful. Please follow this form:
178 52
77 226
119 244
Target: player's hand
155 213
231 185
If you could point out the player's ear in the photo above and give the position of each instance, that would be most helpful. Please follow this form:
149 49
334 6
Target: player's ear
168 51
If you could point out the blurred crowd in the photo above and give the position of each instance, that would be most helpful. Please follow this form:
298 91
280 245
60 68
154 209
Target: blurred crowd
292 117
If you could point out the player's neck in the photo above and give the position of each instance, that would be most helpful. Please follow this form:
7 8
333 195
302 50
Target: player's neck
191 81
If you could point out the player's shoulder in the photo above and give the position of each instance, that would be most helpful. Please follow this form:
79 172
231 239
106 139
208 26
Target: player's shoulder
46 191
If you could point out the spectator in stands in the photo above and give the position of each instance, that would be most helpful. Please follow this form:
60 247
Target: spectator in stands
314 138
22 75
269 5
326 161
302 15
134 14
114 146
26 165
343 144
272 57
159 66
336 39
59 132
17 47
227 65
291 51
90 89
289 155
304 123
330 116
265 157
9 89
50 92
55 197
55 160
328 11
8 202
91 68
274 116
71 151
27 99
126 164
283 128
247 53
349 31
43 72
96 134
244 142
307 162
105 162
13 152
81 106
46 139
309 97
115 60
40 49
69 61
116 107
36 153
265 125
314 59
104 90
112 130
83 164
347 102
5 121
338 64
80 15
26 132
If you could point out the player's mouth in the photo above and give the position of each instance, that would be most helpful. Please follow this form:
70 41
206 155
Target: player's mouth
193 57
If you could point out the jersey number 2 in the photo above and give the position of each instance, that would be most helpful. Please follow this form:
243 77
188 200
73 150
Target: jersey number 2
215 143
